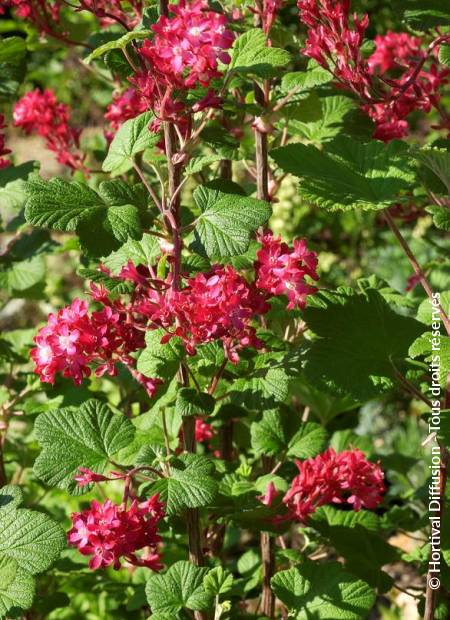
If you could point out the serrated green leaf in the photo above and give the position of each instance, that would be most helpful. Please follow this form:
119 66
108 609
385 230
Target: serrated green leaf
12 65
251 56
427 312
280 432
113 285
444 55
73 438
190 484
119 43
181 587
314 76
22 275
323 592
218 581
133 137
348 174
227 221
427 14
13 184
360 342
441 217
438 161
335 111
160 361
102 220
143 252
191 402
30 542
196 164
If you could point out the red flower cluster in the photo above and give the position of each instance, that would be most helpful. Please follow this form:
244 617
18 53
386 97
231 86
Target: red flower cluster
73 340
124 106
4 163
111 533
267 13
112 11
41 113
334 41
332 478
42 14
183 54
281 270
218 305
203 431
400 53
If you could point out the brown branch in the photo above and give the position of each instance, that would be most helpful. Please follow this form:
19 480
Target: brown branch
416 267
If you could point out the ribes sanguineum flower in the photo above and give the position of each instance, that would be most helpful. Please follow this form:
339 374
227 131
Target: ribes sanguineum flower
111 533
331 478
39 112
74 340
203 431
124 106
281 270
128 14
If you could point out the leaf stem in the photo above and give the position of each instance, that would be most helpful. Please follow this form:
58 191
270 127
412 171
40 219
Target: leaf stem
416 267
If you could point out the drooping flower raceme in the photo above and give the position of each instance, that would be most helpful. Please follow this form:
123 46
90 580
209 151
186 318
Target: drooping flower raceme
39 112
124 106
111 533
281 270
109 12
387 83
73 340
184 53
330 478
42 14
4 163
203 431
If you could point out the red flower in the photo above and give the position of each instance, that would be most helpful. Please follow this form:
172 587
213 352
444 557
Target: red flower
203 431
332 478
281 270
111 11
87 476
111 533
73 340
124 106
41 113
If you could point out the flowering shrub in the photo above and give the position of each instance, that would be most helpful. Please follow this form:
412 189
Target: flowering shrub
225 295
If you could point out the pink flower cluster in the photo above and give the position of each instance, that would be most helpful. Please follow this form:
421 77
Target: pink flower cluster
42 14
40 112
124 106
4 163
203 431
335 39
111 533
183 54
330 478
400 53
73 340
281 270
218 305
113 11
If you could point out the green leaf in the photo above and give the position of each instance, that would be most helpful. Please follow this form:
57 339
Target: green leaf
133 137
251 56
428 312
267 384
438 161
444 55
19 276
196 164
73 438
427 14
360 342
348 174
29 544
190 484
13 184
113 285
441 217
160 361
143 252
323 592
314 76
119 43
279 433
181 587
190 402
227 222
102 220
218 581
12 65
